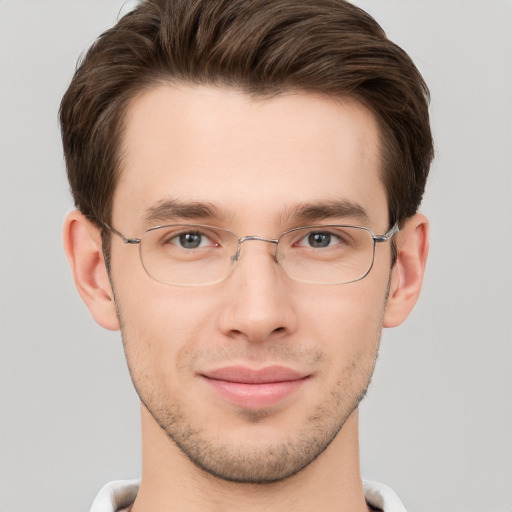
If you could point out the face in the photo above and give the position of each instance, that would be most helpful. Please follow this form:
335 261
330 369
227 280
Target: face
254 376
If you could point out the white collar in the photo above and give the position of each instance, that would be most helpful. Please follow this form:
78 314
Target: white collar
119 494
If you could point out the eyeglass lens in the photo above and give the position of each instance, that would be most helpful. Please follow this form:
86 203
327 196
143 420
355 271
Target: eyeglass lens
198 255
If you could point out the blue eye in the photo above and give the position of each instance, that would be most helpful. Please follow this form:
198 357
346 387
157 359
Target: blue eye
188 240
319 240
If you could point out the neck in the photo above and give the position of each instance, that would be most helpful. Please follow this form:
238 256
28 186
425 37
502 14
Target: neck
170 481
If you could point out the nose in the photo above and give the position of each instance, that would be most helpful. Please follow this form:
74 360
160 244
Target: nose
258 303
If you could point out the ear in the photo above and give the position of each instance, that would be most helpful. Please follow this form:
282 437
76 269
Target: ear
82 243
408 271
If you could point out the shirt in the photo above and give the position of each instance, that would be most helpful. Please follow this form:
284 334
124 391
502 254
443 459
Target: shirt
117 496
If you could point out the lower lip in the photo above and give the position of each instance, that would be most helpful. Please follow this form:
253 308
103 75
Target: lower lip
255 396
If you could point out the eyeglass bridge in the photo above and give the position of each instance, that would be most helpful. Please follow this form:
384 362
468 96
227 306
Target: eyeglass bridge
236 256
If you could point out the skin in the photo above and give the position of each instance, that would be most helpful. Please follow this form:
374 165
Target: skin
254 161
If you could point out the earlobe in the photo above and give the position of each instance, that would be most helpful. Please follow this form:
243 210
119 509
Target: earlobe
82 244
407 274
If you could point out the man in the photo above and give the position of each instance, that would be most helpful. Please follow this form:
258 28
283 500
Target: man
247 176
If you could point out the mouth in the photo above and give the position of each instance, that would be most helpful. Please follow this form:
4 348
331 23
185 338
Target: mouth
254 388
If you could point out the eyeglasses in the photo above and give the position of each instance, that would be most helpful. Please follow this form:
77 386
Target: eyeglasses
196 255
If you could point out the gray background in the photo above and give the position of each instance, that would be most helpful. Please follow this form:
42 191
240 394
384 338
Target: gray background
437 424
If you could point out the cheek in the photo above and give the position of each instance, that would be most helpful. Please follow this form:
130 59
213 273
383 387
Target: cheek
352 305
161 324
347 320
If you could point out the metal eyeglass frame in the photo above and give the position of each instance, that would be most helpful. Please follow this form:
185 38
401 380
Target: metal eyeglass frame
376 239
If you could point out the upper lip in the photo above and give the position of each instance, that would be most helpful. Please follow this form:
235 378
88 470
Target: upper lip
246 375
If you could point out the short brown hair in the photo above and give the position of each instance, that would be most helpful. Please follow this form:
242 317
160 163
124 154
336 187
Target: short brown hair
262 47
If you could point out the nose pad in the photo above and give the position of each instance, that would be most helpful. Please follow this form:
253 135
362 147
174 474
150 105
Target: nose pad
236 257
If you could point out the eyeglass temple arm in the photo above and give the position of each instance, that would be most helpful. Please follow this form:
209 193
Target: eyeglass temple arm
120 235
386 236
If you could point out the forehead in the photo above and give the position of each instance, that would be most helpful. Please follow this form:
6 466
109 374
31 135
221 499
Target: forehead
249 158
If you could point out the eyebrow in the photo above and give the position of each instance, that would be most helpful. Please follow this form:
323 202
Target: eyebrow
171 210
335 209
174 209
